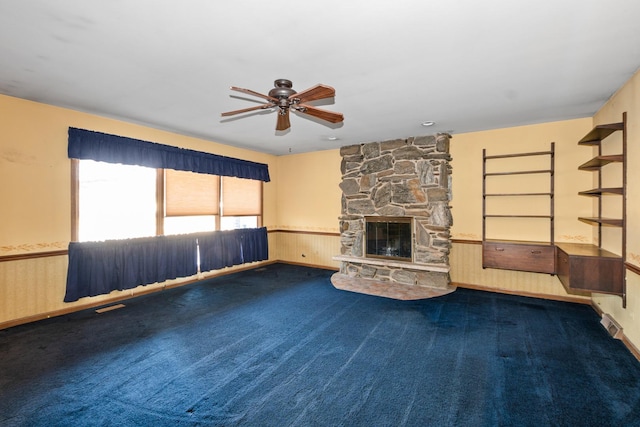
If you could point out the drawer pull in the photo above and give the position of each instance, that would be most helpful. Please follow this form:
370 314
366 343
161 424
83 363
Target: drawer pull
536 252
500 249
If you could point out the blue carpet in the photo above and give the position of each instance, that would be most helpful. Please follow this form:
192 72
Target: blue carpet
279 346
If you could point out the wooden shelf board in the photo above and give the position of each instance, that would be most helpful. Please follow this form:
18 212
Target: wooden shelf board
585 249
506 156
518 242
599 161
519 216
518 172
614 222
519 194
599 191
600 132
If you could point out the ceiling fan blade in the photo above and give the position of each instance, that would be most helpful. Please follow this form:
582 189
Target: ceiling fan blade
314 93
246 110
251 92
329 116
283 120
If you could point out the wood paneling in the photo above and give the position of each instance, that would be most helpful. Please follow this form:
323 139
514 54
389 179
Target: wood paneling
315 249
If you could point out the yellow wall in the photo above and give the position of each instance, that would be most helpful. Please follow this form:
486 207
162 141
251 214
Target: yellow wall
35 170
308 208
626 99
35 213
308 191
466 151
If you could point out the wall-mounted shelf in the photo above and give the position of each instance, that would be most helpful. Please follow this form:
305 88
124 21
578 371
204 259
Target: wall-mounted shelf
591 268
600 191
597 162
601 132
612 222
530 256
518 216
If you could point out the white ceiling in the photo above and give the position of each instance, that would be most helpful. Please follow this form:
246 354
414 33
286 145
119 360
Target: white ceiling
468 65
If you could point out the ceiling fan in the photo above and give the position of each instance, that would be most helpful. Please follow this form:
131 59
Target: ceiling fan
285 98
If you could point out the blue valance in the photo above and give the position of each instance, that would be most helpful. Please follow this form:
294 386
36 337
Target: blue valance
91 145
97 268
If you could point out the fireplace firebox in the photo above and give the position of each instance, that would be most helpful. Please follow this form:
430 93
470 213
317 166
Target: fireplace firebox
389 237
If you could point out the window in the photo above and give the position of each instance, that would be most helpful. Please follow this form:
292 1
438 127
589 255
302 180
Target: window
192 202
241 203
115 201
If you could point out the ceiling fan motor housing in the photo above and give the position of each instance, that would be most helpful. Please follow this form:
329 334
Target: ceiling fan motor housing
282 89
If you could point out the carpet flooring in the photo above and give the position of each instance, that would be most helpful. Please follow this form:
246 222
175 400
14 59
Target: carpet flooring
280 346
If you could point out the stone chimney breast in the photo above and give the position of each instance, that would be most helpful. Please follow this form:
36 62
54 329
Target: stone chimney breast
398 178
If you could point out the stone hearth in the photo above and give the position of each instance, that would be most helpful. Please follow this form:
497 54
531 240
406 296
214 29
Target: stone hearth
398 178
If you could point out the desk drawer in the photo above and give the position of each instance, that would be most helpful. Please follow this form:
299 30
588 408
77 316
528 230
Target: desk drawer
537 258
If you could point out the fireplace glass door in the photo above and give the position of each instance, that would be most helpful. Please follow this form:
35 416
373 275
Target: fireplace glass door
388 238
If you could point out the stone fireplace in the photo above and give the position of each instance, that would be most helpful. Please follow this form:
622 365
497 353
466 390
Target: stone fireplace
395 217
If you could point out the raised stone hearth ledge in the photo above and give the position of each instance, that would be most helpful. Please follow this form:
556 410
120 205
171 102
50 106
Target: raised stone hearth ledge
387 289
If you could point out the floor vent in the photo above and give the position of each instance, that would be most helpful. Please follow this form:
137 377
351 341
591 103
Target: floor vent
611 326
111 307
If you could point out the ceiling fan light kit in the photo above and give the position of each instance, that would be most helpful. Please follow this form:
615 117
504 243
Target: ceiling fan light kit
285 98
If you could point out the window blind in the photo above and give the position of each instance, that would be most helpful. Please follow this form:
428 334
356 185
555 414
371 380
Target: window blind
189 193
241 197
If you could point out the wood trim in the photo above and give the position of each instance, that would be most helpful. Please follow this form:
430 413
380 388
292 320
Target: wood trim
160 205
467 242
576 300
632 267
323 267
75 191
32 255
632 348
63 252
261 204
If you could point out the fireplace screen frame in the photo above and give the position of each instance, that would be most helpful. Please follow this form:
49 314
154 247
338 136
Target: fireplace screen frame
387 251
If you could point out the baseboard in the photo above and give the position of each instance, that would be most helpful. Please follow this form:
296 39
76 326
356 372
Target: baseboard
621 336
323 267
120 298
577 300
109 301
632 348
